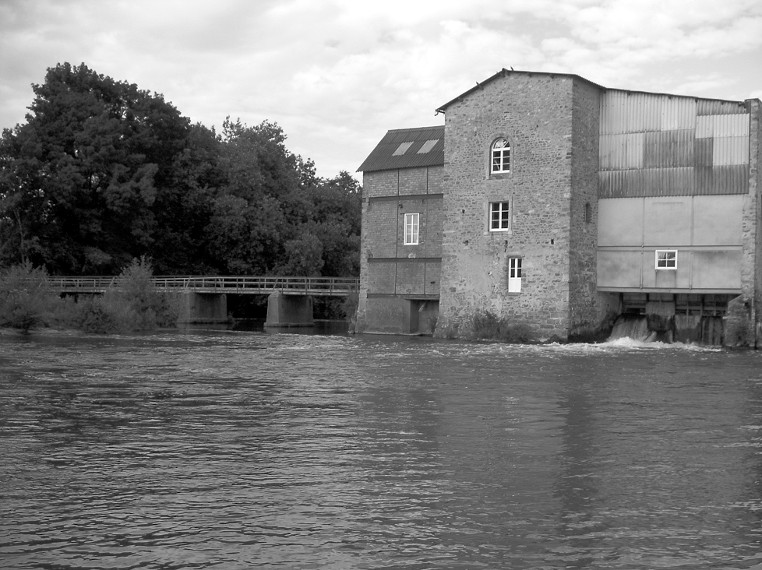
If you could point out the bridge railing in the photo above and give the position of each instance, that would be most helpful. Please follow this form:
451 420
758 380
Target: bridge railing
232 284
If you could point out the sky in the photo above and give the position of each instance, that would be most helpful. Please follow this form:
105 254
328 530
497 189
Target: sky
337 74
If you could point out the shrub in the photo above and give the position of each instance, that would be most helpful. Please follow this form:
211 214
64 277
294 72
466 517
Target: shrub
26 299
487 326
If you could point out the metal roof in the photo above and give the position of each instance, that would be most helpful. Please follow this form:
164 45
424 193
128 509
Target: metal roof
407 148
504 72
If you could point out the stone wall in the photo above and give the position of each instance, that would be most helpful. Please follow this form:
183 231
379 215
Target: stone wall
755 194
587 310
535 114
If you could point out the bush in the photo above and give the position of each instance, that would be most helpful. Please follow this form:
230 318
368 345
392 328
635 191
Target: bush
487 326
26 299
132 304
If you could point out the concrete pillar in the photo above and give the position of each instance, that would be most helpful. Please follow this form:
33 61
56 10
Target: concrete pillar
197 308
289 311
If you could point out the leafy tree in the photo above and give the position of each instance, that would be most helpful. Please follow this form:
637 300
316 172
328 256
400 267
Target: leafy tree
25 297
103 172
86 170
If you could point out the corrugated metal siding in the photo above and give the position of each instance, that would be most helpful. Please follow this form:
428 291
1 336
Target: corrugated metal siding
668 149
730 125
730 150
664 145
621 151
714 107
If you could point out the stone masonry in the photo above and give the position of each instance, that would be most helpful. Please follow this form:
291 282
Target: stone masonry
551 124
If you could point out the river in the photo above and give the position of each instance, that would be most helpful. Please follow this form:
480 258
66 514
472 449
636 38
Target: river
223 449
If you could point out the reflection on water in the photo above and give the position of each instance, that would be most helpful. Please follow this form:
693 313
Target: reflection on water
232 449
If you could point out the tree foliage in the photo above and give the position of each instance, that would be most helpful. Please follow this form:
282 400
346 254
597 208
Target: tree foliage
103 172
25 297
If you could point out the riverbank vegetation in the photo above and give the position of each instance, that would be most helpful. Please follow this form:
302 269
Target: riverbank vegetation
103 172
130 304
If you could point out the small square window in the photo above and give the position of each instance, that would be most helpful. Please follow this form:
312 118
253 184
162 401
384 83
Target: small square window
666 259
411 229
499 216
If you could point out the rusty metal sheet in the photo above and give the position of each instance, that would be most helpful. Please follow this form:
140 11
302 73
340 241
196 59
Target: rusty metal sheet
668 149
715 107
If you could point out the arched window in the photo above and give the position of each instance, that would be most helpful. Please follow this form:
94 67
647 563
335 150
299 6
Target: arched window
501 156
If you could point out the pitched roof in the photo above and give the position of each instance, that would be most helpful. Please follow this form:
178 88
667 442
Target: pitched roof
502 73
407 148
505 72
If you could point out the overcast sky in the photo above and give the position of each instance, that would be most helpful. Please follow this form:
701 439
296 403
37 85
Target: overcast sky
337 74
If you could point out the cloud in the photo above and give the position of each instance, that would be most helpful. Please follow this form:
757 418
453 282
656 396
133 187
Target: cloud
337 74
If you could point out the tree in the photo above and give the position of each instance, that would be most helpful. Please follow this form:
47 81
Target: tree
86 170
26 298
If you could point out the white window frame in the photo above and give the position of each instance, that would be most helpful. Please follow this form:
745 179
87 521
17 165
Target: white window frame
514 275
665 259
501 222
412 226
500 156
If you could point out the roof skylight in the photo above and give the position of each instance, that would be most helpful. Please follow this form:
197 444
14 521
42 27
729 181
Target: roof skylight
427 146
402 148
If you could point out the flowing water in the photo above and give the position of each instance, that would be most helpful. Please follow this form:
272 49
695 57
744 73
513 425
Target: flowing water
223 449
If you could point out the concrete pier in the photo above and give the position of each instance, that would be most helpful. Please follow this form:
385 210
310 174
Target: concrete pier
198 308
289 310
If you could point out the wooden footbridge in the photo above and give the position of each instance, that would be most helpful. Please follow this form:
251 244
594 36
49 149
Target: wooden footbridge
204 298
239 285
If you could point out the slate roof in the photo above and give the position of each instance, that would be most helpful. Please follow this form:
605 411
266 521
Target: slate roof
407 148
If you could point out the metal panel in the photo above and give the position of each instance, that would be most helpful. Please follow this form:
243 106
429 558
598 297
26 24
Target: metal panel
717 220
702 151
731 125
676 112
730 150
716 269
621 151
714 107
667 221
620 222
668 149
731 179
619 268
705 126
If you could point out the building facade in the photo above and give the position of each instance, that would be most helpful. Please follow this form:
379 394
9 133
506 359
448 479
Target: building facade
565 206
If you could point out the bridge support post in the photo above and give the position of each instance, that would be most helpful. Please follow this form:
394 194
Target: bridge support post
289 310
197 308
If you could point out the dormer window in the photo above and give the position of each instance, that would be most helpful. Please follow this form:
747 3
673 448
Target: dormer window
501 156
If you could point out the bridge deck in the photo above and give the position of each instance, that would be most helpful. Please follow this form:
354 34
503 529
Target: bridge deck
240 285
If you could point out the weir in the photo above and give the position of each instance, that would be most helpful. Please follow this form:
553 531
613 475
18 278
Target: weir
687 329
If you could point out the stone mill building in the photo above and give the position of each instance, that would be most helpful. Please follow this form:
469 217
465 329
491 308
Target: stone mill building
568 207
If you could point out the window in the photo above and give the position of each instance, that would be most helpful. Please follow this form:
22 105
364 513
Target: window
666 259
402 148
427 146
514 274
501 156
411 229
499 216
